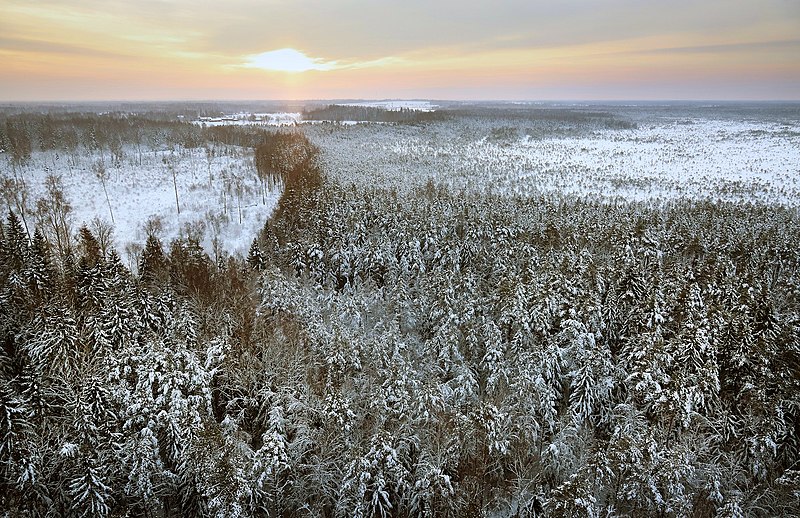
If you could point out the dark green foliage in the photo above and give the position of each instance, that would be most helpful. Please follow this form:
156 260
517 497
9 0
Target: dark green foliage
190 268
254 256
13 249
153 264
41 273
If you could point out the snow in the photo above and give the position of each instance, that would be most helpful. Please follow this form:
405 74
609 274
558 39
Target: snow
276 119
699 159
272 120
738 160
209 206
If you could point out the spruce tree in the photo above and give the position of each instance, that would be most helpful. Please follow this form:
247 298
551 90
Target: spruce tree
255 258
13 251
153 264
40 272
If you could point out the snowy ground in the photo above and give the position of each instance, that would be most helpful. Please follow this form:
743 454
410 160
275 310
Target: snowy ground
700 158
276 119
664 158
212 196
281 119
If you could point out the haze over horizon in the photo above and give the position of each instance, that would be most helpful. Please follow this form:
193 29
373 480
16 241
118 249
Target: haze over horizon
513 50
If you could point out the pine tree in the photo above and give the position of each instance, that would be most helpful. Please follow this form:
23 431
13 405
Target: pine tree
15 425
190 267
52 343
192 500
88 248
696 384
90 285
91 497
13 253
153 264
117 320
376 484
255 258
40 271
96 421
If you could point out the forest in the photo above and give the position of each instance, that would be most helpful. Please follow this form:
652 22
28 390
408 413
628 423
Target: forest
342 112
402 352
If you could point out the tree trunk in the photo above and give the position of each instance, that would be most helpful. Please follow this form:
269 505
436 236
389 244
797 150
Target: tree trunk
175 185
108 201
20 199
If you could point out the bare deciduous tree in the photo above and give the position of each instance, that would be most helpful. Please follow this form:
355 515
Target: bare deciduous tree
53 214
104 233
169 163
101 173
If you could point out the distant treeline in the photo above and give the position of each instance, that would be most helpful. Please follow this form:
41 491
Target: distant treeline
164 110
22 134
600 119
339 112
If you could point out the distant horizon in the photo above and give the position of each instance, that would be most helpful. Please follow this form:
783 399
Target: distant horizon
383 99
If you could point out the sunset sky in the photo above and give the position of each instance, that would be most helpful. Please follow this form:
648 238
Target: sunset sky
372 49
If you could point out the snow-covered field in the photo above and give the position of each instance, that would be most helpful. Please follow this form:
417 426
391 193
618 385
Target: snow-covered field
701 158
223 203
279 119
220 200
276 119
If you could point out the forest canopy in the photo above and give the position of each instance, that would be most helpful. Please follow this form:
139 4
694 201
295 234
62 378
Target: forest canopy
424 352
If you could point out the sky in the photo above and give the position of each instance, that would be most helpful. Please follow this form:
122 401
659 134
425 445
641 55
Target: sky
82 50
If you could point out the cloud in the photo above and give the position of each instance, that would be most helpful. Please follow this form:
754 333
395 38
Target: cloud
48 47
369 30
726 48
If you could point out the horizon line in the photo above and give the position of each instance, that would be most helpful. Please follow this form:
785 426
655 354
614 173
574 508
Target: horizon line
385 99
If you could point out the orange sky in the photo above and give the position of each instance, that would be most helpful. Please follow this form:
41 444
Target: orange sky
242 49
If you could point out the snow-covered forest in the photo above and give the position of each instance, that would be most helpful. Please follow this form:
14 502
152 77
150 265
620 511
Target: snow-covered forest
435 320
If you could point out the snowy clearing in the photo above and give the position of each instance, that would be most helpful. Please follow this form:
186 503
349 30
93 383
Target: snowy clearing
701 158
220 199
252 119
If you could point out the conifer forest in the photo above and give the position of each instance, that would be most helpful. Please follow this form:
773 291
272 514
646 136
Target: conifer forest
495 310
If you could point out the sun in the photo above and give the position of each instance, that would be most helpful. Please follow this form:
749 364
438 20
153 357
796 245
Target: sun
287 60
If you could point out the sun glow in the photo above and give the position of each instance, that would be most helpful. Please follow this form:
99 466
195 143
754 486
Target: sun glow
521 49
287 60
